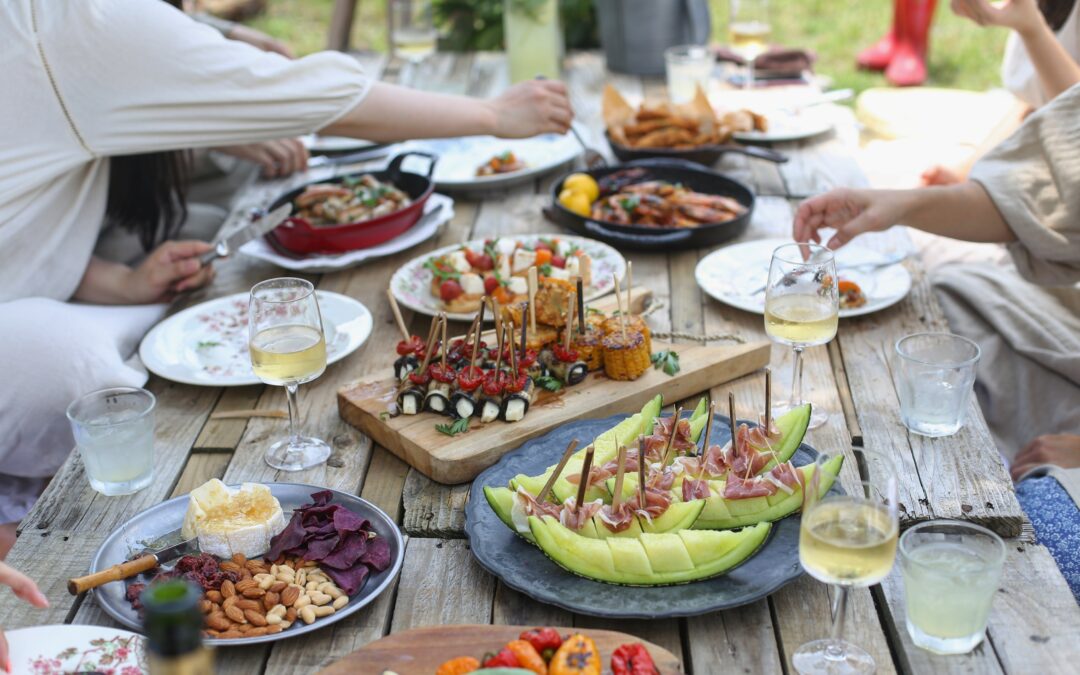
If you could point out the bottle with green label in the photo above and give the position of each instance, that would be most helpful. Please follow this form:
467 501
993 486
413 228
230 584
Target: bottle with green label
173 624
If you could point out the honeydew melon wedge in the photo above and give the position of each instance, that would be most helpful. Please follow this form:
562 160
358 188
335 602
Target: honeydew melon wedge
650 559
722 514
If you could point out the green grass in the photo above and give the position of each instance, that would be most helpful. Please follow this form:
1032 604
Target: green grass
962 55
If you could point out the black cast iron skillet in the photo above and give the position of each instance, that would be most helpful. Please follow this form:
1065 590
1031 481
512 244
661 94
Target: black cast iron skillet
693 176
704 154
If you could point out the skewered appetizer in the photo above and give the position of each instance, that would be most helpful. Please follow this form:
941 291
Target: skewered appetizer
626 356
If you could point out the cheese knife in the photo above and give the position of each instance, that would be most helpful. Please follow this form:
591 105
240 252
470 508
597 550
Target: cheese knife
256 228
124 570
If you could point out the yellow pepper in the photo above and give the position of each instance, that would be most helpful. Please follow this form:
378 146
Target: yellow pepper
577 656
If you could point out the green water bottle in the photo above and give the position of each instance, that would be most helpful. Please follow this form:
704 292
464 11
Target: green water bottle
173 624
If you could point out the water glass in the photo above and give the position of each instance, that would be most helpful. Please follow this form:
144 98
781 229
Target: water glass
935 376
688 67
951 572
114 432
414 36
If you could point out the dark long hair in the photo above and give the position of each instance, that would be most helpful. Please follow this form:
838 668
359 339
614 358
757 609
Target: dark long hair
1056 12
148 192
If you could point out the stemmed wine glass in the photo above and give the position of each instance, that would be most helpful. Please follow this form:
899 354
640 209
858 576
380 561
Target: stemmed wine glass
749 31
285 338
802 309
847 541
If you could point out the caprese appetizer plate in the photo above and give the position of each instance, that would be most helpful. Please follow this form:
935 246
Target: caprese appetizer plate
499 267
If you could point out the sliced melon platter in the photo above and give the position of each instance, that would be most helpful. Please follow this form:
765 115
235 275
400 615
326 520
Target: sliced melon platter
690 541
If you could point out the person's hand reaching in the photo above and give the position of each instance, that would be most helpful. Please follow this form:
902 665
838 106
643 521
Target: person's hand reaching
1020 15
531 108
277 158
849 212
25 589
939 174
1061 449
170 268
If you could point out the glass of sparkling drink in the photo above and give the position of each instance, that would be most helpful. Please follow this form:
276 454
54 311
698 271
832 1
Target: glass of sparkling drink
935 375
688 67
114 432
951 571
847 541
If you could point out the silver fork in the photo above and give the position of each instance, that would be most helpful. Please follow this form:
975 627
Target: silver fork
593 159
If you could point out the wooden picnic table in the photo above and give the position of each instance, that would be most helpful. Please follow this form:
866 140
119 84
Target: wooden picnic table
1035 623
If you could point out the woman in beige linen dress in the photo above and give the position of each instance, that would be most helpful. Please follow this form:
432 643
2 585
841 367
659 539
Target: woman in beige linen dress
89 80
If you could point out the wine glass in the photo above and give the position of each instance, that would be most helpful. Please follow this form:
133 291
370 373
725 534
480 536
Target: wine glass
285 338
847 540
802 309
414 37
749 31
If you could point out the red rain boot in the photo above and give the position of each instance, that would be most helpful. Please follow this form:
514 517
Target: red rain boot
878 55
908 65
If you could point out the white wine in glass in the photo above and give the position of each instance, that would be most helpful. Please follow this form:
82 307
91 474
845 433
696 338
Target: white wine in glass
287 346
749 31
802 309
847 541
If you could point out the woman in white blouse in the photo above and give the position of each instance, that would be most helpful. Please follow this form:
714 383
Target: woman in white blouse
101 94
1042 59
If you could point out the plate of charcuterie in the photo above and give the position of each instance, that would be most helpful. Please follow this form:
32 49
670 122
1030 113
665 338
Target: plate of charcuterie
456 279
254 549
713 528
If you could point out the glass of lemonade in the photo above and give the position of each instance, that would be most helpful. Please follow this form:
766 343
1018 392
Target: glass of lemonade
951 572
847 540
688 67
534 40
114 432
801 309
414 34
749 31
285 338
935 376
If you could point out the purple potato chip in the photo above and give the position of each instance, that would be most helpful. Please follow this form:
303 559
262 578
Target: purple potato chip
349 550
377 555
350 580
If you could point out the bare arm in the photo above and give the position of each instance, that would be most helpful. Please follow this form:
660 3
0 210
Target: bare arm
169 269
393 113
962 211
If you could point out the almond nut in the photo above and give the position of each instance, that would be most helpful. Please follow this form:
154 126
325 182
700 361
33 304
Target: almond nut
236 614
205 606
228 589
249 604
290 595
230 601
239 558
244 573
215 596
243 584
271 629
278 587
308 614
302 602
218 622
278 610
253 593
340 602
231 634
256 632
230 566
290 614
270 599
254 617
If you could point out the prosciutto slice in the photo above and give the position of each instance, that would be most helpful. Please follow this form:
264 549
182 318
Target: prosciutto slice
747 460
714 464
656 503
737 487
681 442
599 474
575 521
787 475
693 488
535 508
619 520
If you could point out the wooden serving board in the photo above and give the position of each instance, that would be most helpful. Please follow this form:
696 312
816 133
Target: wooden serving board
456 459
420 651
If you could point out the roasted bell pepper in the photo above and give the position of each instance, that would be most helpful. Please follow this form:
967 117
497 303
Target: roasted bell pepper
458 666
527 656
633 659
577 656
505 657
545 640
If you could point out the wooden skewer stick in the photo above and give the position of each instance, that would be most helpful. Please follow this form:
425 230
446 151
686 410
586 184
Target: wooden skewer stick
586 469
397 315
498 335
580 306
476 342
569 321
510 348
622 312
444 345
629 281
524 329
247 414
671 438
616 499
708 435
768 400
428 351
532 298
558 471
641 461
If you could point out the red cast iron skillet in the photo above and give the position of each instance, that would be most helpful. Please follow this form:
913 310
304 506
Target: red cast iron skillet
298 235
704 154
690 174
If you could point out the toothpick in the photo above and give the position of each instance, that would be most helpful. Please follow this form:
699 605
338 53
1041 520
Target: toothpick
532 298
768 400
641 471
397 315
616 499
476 342
580 306
510 348
569 321
498 336
558 471
708 435
444 322
731 421
428 353
671 439
524 329
629 281
586 469
618 299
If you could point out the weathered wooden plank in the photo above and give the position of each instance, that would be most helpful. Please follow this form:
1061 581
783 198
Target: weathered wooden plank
433 509
665 632
201 467
441 584
50 557
843 389
513 608
223 435
742 639
385 481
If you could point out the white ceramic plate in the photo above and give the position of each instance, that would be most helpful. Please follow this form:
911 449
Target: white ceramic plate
460 157
411 283
785 127
75 649
316 143
208 344
733 274
332 262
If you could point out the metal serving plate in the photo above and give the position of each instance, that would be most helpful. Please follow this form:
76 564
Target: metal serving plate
525 568
160 526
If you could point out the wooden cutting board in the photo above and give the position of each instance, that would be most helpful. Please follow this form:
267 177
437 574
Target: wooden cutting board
456 459
421 650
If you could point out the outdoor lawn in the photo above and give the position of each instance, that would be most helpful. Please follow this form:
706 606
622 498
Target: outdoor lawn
962 55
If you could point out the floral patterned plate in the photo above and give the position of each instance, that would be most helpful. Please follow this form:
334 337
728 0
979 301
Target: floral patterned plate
49 650
460 157
411 283
208 344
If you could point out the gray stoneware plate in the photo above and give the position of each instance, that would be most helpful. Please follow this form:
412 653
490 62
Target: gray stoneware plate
525 568
159 526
